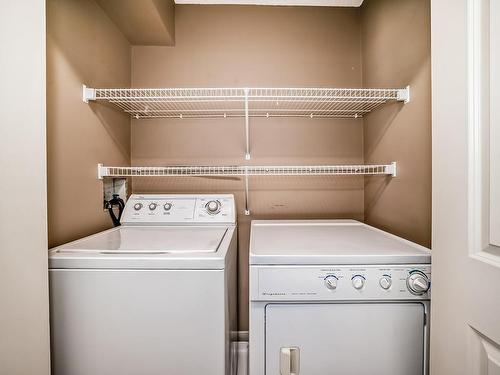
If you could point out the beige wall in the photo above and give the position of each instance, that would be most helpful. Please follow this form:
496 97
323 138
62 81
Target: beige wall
396 52
256 46
83 46
382 44
24 324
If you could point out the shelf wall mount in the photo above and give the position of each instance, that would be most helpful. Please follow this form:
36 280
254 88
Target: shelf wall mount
206 103
404 95
248 170
88 94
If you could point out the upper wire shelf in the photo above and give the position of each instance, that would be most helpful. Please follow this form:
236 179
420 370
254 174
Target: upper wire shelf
246 102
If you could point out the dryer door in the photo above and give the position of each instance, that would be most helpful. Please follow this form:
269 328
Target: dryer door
345 339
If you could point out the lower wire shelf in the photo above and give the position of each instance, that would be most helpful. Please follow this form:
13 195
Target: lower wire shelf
250 170
246 171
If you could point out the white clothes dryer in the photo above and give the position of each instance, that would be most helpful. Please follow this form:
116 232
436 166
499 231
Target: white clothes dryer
337 297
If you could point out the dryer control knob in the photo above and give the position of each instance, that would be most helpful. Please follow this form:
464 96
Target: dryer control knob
418 283
385 282
212 207
358 282
331 282
137 206
152 206
167 206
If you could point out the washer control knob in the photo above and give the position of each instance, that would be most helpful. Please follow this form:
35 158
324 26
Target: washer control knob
137 206
167 206
385 282
358 282
331 282
152 206
212 207
418 283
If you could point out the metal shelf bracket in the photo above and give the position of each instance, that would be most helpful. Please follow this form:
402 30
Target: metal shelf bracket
247 195
247 130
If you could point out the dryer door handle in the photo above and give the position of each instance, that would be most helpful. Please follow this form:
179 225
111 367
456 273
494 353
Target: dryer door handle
290 361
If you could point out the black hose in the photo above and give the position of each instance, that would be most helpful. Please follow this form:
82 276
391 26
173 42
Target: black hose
115 201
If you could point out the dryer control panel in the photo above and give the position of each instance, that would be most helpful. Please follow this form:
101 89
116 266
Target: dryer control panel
343 282
157 209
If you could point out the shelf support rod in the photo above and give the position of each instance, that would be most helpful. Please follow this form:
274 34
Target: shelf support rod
247 131
247 209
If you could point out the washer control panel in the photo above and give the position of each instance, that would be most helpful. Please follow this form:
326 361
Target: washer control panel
179 208
346 282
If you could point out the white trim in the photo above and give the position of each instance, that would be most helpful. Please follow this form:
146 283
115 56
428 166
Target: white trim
494 124
473 125
478 124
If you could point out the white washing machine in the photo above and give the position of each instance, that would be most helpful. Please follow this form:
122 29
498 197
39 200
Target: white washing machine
154 296
337 297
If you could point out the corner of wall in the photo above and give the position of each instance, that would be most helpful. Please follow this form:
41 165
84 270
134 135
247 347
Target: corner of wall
83 46
396 52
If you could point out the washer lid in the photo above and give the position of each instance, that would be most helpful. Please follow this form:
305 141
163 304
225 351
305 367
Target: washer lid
296 242
147 247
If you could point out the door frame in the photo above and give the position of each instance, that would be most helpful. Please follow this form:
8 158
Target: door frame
466 266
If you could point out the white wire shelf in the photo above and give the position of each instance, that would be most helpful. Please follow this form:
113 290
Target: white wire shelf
199 103
213 171
247 171
233 102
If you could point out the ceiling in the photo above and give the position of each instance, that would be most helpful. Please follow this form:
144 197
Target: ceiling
324 3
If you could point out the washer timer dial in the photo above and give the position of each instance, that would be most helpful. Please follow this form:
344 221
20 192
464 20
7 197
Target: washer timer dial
417 283
213 207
